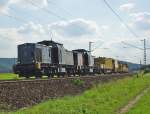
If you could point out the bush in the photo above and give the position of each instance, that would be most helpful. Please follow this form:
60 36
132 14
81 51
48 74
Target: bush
146 71
78 82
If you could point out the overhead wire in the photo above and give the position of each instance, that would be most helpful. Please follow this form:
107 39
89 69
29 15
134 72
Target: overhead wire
120 19
46 10
42 8
14 17
132 45
61 8
124 23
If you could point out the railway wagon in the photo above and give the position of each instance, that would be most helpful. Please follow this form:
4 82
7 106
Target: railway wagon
83 61
125 68
107 65
116 66
99 64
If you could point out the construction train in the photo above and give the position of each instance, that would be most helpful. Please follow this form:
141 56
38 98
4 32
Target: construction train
49 58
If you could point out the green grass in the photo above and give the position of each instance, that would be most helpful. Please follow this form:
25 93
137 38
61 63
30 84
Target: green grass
102 99
12 76
8 76
143 106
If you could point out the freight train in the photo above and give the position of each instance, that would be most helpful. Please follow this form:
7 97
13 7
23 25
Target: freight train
50 58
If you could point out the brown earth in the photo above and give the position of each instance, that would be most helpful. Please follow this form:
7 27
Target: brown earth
132 102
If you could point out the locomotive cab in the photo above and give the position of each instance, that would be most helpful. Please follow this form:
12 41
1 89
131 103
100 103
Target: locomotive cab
26 54
31 58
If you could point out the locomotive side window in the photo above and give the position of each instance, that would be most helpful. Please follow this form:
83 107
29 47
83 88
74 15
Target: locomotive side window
54 55
38 55
49 52
60 55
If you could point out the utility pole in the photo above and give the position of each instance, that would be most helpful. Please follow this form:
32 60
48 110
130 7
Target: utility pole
140 64
90 47
144 49
51 35
145 54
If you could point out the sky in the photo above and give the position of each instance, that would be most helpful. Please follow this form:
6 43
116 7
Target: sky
74 23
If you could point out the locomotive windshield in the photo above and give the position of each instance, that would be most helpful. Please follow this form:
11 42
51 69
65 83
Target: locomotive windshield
26 53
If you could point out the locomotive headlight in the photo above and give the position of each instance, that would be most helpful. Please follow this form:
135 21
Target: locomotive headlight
38 65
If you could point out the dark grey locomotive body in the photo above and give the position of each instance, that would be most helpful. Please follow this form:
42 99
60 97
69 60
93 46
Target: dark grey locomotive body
50 58
32 53
30 59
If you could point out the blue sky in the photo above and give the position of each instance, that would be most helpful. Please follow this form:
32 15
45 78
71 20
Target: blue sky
74 23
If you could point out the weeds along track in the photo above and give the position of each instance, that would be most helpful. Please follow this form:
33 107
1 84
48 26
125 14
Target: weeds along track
63 78
24 93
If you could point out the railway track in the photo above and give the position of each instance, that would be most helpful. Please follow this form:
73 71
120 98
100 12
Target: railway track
57 78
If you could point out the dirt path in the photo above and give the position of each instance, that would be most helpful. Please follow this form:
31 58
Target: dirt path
132 102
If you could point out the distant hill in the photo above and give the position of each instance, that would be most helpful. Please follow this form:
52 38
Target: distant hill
7 63
132 66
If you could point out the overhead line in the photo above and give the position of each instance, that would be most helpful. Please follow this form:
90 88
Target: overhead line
14 12
132 45
61 8
46 10
98 48
14 17
121 20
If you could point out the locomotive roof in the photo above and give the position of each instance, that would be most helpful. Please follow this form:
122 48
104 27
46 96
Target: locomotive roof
49 43
28 44
81 50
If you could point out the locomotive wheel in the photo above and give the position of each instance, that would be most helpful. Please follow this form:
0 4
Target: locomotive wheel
27 77
49 76
38 75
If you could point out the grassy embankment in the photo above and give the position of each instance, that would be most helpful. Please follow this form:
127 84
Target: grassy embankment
8 76
102 99
12 76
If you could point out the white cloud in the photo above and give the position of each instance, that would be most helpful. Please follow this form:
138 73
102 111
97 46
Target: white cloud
73 34
127 7
4 6
32 28
76 28
141 20
105 27
29 4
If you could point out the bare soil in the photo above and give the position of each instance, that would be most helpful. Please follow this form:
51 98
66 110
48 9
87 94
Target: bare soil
132 102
